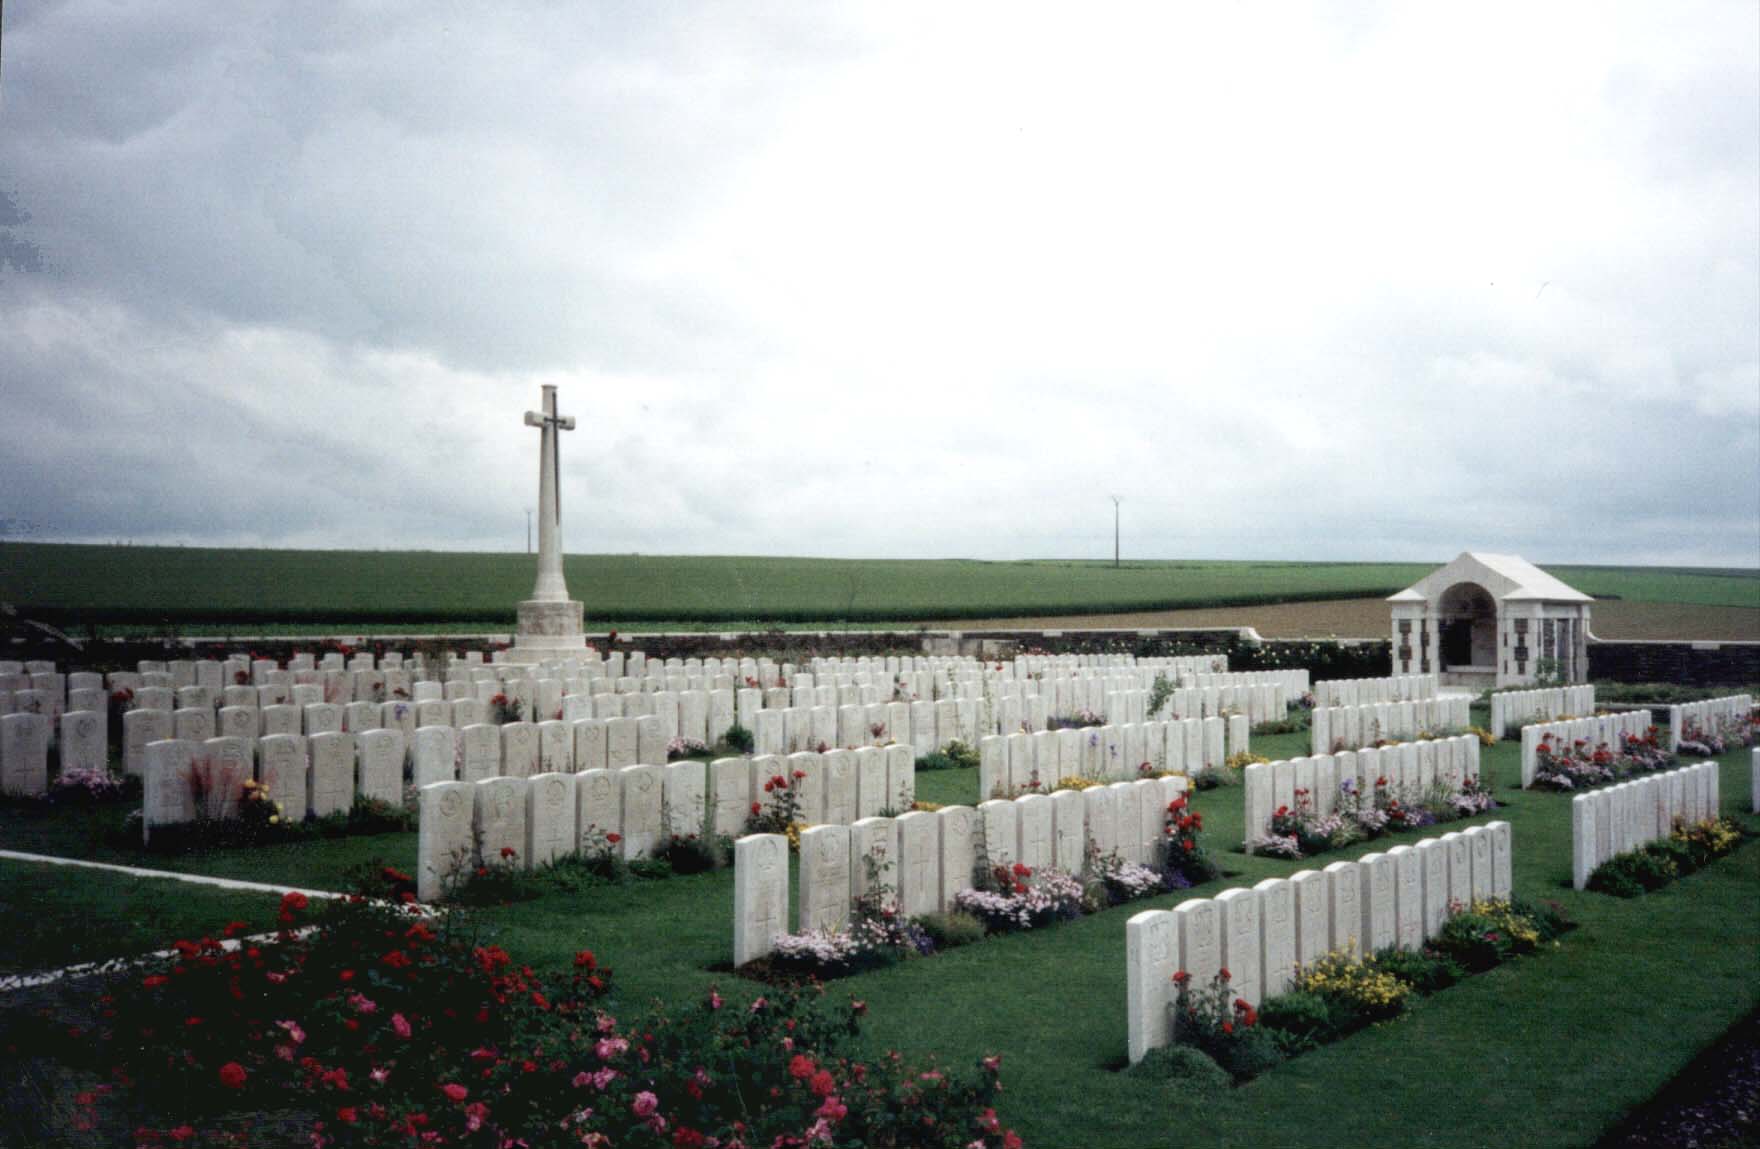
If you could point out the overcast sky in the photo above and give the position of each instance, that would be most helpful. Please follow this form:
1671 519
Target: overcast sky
1357 281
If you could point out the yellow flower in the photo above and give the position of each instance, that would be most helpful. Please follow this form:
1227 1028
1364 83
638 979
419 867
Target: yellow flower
274 818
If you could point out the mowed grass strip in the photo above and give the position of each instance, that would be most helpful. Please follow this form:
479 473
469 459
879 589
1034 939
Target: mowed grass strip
56 916
350 588
1547 1051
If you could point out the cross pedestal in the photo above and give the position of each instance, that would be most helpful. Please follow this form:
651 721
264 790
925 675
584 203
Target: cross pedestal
550 623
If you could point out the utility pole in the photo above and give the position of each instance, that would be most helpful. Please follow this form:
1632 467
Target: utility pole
1116 499
528 530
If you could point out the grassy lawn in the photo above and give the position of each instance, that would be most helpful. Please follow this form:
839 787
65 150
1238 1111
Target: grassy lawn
1549 1050
156 585
58 915
314 865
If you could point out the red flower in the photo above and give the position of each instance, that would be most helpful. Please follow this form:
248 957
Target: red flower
508 852
801 1067
294 900
1022 871
1223 973
823 1084
232 1075
585 960
455 1091
347 1115
613 839
756 809
800 773
155 981
1181 978
1228 1027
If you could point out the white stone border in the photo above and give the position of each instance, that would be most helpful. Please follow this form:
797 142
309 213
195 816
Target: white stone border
137 872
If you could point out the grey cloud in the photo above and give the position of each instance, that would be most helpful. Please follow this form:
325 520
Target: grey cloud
816 282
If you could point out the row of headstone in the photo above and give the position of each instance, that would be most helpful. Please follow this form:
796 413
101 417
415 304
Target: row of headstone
82 744
32 689
1035 666
1265 935
1412 770
1619 819
928 858
633 808
1333 728
1711 716
1358 691
1606 730
1519 707
1191 746
529 822
1007 703
1294 682
186 781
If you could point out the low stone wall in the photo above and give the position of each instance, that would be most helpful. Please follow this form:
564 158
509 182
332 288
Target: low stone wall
1682 663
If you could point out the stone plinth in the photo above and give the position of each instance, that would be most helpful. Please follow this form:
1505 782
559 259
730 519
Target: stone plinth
546 628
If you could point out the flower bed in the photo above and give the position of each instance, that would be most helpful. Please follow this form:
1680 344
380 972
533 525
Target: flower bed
383 1027
1719 736
1577 766
1338 995
1689 847
1302 832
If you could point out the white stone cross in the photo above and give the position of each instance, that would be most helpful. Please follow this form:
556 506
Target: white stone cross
550 586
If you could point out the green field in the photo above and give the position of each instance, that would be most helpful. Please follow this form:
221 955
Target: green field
192 586
1550 1050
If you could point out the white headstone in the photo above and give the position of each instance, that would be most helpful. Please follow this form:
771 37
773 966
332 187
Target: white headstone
958 850
500 821
1408 898
1239 910
643 790
1152 958
282 767
1277 924
84 744
443 835
381 766
825 878
167 793
1313 908
919 863
1345 907
332 773
598 811
550 818
760 895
